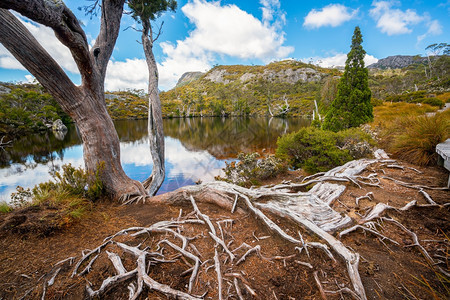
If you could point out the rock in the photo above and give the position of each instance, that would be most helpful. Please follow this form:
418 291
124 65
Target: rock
217 76
59 129
58 125
4 90
188 77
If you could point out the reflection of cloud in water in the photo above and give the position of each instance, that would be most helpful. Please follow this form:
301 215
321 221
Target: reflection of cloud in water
183 167
34 173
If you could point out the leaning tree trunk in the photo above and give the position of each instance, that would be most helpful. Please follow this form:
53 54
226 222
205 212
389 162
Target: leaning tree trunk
155 124
86 103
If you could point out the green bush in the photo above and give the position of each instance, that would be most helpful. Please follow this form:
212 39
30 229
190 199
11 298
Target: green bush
433 102
316 150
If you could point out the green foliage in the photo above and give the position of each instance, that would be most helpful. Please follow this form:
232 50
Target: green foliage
318 150
433 102
5 207
416 138
150 10
28 108
352 106
71 182
251 169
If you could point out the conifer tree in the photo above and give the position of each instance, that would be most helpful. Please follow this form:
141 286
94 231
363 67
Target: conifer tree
352 106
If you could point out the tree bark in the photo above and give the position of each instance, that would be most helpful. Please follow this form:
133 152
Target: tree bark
155 124
86 103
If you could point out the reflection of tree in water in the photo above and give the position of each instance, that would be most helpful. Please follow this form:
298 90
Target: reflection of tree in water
221 137
31 150
226 137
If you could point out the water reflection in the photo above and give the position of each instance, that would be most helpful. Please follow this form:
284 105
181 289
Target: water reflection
196 149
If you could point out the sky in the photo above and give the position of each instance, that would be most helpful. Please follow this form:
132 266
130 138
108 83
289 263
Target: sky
201 34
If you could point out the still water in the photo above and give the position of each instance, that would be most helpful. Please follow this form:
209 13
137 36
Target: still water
196 149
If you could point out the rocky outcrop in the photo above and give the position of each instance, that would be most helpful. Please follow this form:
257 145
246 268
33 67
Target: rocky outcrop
188 77
218 76
4 89
288 75
293 76
398 62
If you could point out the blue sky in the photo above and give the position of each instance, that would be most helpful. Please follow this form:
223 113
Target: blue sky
201 34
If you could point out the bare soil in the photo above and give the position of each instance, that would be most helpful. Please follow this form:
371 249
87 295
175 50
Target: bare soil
34 240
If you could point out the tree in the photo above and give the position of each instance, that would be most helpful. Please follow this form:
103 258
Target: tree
85 103
352 106
435 50
145 11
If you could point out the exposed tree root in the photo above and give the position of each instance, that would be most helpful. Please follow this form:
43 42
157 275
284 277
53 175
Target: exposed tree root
172 241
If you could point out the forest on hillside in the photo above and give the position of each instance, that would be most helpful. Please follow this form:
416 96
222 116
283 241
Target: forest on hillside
284 89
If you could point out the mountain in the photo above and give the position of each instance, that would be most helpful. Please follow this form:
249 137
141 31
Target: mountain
188 77
398 62
273 89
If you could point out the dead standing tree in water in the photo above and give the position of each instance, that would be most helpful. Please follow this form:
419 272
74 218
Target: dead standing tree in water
144 12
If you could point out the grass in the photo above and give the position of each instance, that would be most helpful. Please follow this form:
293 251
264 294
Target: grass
416 143
408 133
72 193
4 207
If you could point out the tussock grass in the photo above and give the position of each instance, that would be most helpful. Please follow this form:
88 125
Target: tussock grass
413 137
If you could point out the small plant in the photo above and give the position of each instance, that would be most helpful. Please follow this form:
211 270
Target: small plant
21 198
251 169
4 207
71 182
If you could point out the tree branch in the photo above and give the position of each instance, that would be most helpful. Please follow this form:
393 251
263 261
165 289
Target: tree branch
57 16
27 50
109 31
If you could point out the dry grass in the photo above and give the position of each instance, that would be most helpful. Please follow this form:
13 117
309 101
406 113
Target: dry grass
409 134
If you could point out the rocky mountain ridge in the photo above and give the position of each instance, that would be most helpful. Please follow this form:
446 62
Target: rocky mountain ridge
398 62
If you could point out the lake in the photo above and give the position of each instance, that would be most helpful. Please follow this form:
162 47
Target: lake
196 149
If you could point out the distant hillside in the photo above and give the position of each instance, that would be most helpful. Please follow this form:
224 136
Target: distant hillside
398 62
279 88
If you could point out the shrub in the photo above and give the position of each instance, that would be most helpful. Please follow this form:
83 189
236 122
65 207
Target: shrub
71 182
21 198
318 150
250 169
416 141
433 102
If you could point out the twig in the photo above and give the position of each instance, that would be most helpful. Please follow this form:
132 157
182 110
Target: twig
319 286
218 272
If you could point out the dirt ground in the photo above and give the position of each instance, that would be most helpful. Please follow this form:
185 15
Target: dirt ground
31 245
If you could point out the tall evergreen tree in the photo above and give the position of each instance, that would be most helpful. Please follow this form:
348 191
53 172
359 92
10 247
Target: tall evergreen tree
352 106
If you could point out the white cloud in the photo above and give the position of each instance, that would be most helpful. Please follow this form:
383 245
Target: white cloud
128 74
30 79
331 15
394 21
223 30
338 60
47 39
434 28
